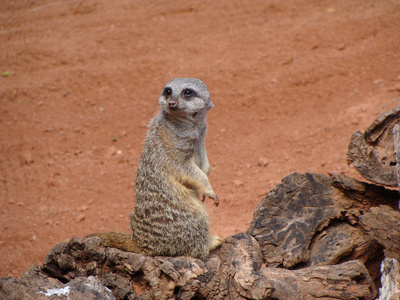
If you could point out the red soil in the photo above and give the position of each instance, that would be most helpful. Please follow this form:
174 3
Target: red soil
291 81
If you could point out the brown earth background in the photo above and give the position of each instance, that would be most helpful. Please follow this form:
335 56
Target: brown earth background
291 81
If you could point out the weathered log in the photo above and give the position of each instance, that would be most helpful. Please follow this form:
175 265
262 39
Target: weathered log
396 146
372 152
382 224
35 284
311 220
349 280
241 261
234 271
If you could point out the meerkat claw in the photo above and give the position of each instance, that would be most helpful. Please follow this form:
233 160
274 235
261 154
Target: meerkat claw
216 201
215 198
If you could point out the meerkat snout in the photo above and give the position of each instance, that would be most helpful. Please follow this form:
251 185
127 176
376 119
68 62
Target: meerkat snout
172 104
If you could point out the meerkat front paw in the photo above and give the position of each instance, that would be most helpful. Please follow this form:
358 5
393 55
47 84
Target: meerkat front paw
213 196
215 242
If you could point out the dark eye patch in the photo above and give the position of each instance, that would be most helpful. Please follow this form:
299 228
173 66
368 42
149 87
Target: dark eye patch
167 92
187 93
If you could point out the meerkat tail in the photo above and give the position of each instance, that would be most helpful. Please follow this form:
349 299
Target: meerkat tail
119 240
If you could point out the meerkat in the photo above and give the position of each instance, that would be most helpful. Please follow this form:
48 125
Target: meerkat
169 217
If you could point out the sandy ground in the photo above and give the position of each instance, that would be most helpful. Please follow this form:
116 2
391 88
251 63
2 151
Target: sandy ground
291 81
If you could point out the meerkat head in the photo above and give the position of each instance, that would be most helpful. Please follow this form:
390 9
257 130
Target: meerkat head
185 97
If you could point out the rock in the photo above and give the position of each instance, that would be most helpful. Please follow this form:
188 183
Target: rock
390 280
238 183
372 152
26 157
263 162
80 218
111 152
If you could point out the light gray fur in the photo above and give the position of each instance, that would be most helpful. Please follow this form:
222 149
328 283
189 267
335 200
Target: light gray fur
169 219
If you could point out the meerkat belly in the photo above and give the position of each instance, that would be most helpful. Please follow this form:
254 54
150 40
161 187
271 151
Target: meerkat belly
170 227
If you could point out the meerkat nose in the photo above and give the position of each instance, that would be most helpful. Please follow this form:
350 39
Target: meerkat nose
172 104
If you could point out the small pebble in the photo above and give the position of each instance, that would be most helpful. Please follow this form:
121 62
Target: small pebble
263 162
80 218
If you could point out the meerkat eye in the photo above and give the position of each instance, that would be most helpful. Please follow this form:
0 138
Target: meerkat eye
186 93
167 92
